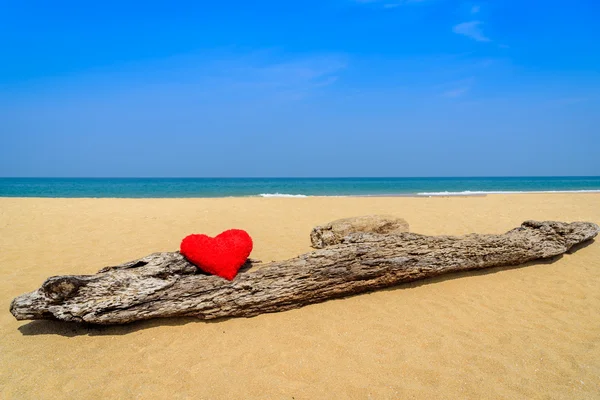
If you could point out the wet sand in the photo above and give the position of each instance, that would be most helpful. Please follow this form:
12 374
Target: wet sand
527 332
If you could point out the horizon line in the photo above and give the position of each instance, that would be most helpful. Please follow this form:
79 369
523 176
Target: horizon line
300 177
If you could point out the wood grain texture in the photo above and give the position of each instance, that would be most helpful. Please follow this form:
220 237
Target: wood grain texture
167 285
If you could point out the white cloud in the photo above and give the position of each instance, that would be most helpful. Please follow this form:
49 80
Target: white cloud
471 30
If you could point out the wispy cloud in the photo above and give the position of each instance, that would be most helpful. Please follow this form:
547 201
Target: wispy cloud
471 29
475 9
456 89
264 76
243 78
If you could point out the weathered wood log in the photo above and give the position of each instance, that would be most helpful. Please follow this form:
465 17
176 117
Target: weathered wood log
167 285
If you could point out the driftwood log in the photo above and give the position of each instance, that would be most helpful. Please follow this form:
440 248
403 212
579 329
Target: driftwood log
167 285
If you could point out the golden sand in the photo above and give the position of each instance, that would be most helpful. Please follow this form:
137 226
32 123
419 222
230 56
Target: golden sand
531 332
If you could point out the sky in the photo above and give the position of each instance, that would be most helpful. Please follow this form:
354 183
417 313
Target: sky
277 88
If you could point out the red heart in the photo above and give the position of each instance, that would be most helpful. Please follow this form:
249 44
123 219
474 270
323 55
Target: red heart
222 255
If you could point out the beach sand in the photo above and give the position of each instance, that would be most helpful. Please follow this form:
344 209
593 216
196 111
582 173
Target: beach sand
531 332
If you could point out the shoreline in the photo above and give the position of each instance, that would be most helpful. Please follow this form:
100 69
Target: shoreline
301 196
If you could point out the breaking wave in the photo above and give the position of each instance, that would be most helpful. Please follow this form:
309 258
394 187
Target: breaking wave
281 195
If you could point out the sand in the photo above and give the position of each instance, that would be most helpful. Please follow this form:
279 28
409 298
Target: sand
529 332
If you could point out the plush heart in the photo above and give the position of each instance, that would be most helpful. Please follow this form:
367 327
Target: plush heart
222 255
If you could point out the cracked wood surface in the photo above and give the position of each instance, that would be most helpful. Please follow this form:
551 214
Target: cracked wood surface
167 285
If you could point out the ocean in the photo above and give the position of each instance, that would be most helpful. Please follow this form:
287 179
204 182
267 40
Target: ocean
287 187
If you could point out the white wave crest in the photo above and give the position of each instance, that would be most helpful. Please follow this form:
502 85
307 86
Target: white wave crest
482 192
281 195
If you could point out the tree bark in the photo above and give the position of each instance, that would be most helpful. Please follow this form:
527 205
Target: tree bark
167 285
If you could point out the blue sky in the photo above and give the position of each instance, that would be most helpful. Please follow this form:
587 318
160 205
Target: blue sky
310 88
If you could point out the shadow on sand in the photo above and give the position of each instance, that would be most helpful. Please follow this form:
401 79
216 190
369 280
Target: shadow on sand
72 329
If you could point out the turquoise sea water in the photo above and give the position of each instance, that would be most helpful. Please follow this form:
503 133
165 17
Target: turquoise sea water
285 187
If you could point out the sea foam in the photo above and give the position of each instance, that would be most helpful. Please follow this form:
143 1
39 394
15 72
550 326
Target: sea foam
281 195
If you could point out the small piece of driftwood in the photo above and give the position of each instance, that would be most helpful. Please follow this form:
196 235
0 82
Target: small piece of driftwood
167 285
334 232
